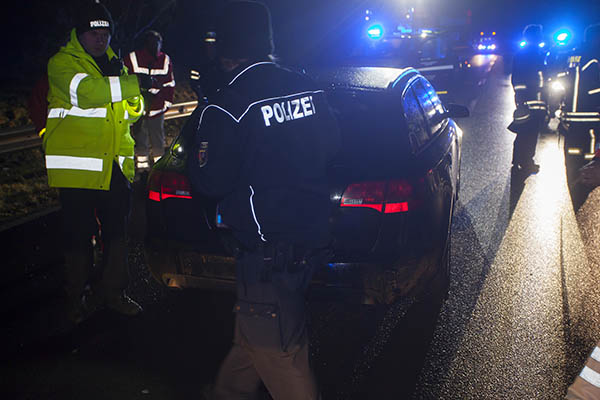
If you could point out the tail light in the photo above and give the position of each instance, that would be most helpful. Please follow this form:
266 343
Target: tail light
388 197
165 184
364 194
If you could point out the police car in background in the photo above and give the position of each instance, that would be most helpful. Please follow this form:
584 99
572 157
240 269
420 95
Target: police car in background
486 43
394 187
438 54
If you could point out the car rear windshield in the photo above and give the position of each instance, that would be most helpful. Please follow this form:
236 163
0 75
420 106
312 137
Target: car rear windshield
373 131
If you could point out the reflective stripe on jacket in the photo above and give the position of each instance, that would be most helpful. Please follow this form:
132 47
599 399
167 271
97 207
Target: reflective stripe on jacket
160 68
88 120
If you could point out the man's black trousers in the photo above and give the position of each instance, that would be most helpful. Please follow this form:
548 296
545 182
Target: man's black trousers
85 213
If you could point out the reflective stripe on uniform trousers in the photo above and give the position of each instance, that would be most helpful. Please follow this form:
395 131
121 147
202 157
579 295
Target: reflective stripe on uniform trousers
77 112
587 384
169 84
520 87
594 91
590 376
73 87
156 158
142 162
74 163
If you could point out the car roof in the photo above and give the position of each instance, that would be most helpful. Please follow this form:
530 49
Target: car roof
366 78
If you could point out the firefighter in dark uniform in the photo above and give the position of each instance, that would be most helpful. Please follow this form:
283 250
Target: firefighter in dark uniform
584 98
584 105
529 117
263 145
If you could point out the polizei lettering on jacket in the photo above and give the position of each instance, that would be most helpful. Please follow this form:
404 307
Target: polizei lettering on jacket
288 110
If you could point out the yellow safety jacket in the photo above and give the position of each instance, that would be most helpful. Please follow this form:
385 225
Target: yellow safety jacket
89 114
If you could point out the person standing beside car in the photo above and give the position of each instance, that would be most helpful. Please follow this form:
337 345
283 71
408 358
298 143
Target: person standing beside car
89 157
149 131
528 82
262 146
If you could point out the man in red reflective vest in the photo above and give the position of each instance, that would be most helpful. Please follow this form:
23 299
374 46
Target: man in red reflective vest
149 132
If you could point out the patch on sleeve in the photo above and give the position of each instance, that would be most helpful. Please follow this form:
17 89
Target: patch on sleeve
203 154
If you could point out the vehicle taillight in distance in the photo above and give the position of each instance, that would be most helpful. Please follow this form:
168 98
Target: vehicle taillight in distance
165 184
387 197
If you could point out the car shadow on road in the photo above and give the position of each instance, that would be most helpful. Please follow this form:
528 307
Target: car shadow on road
470 265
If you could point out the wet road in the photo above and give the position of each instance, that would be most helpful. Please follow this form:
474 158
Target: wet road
522 312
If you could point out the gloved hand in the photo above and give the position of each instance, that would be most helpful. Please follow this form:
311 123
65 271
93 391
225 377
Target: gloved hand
146 81
115 67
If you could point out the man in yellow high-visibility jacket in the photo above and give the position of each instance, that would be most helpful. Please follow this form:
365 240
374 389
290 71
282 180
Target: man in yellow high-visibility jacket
89 157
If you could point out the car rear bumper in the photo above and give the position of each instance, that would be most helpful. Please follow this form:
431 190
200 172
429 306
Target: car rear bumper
185 265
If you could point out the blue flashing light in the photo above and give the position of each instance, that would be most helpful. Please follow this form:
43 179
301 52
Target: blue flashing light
375 32
523 43
542 44
562 37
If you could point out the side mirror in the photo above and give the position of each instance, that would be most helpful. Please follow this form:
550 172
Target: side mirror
457 111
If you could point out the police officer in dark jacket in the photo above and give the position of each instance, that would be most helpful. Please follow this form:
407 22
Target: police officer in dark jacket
528 82
263 145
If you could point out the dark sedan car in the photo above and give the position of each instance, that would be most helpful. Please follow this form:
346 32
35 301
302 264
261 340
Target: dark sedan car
394 185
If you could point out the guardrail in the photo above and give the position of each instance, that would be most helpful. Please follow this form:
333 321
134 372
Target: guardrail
26 137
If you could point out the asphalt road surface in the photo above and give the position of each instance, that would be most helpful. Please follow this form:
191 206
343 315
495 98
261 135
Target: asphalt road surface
522 313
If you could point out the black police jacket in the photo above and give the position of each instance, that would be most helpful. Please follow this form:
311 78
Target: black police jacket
528 73
263 146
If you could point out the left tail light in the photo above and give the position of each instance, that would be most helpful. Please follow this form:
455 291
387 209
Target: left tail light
388 197
165 184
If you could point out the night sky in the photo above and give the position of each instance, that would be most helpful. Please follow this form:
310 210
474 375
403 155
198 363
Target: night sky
34 29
